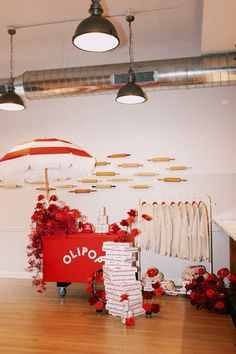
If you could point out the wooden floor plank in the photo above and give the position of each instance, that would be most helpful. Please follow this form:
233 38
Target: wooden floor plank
45 323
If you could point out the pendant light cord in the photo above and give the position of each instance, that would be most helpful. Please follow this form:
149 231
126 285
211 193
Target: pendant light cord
131 52
11 31
131 78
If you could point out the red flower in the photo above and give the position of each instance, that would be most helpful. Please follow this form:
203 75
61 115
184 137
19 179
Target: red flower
130 321
89 289
147 307
146 217
132 213
130 220
210 293
40 197
134 232
34 217
192 295
124 222
49 223
114 228
223 272
74 214
92 300
155 308
59 216
53 198
156 285
124 297
152 272
210 277
99 305
39 205
219 305
159 291
201 271
232 277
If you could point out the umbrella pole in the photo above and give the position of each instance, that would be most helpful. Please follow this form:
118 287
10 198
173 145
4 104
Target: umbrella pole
46 184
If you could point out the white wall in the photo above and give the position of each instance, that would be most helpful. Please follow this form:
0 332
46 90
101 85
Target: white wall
197 127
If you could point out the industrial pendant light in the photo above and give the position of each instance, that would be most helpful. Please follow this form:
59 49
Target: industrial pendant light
95 33
10 101
131 93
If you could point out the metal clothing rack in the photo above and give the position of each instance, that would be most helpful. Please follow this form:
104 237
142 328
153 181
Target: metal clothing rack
205 198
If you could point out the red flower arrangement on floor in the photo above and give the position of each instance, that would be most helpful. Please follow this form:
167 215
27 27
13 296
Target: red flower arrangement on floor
49 218
209 290
150 297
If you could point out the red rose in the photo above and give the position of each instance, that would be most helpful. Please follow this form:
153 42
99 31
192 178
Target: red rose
192 295
89 289
232 277
39 205
99 305
132 213
201 271
210 293
210 277
156 285
219 305
35 216
53 198
40 197
152 272
124 222
49 223
92 300
146 217
223 272
155 308
114 228
74 214
159 291
130 220
134 232
59 216
147 307
130 321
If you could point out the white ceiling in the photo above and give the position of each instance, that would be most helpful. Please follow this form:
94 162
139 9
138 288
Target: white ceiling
162 29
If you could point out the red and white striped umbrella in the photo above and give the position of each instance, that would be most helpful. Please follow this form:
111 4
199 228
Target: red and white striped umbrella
30 159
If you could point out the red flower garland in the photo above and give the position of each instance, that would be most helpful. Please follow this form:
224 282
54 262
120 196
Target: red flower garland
48 219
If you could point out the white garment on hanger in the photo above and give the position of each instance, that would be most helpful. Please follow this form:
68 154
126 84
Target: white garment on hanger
159 226
166 232
204 231
176 229
190 216
184 233
196 241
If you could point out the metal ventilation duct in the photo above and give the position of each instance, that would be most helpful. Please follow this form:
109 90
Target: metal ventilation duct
203 71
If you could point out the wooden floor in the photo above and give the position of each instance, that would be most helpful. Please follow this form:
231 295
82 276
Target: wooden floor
45 323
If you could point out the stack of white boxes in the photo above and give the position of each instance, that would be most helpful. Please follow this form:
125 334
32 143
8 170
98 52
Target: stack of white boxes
102 226
119 279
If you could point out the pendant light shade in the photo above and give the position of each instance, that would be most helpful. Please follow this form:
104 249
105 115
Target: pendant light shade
130 93
10 101
96 33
